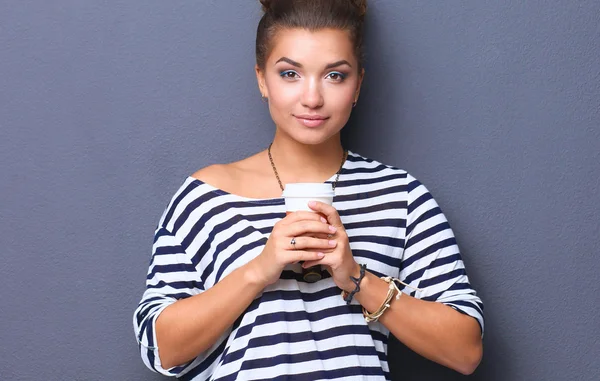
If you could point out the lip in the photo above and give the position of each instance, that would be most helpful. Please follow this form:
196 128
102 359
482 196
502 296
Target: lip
311 120
311 117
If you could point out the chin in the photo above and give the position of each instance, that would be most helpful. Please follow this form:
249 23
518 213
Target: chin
313 139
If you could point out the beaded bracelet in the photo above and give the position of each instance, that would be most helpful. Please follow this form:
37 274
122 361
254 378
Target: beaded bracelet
348 296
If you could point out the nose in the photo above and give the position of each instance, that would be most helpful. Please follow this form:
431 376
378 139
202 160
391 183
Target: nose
312 96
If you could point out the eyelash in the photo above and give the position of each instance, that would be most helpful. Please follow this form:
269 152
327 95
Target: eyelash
341 76
285 75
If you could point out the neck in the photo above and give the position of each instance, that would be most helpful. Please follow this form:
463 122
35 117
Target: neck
298 162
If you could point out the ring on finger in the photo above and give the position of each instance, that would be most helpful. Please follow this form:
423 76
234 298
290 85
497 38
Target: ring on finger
293 242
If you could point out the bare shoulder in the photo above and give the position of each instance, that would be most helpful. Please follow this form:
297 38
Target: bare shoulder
211 173
216 175
237 177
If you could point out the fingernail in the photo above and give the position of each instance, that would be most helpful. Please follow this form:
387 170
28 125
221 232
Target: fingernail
323 220
332 229
332 243
320 255
312 203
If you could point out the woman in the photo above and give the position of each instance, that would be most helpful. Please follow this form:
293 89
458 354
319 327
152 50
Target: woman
225 297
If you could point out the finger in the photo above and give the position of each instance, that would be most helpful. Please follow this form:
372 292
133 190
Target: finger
303 243
323 236
328 211
308 264
325 262
309 228
303 215
305 256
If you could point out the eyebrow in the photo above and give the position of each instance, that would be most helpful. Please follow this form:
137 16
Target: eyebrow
338 63
298 64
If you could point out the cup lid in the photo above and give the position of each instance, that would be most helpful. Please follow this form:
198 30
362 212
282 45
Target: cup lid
308 190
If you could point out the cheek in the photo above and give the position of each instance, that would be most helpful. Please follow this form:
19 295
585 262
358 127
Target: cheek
341 99
281 95
282 102
280 107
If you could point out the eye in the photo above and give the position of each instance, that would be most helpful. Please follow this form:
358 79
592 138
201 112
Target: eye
289 74
336 76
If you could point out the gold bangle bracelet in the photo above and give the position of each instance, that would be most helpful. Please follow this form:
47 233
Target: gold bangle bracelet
370 317
393 290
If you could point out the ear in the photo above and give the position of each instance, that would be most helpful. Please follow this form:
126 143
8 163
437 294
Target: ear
260 78
361 76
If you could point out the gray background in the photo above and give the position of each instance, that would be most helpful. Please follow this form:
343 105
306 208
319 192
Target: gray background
106 106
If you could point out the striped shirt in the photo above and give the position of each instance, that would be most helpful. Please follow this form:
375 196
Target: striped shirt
294 328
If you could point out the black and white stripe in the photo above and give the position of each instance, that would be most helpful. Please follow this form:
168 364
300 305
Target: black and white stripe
295 328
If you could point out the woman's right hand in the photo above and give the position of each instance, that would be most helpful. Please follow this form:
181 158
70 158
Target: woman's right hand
308 230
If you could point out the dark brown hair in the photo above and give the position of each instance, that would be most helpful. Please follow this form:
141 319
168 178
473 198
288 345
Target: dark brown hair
313 15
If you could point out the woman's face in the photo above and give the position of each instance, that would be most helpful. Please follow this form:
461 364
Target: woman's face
311 80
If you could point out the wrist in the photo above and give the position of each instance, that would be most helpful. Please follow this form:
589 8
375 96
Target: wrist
374 291
349 285
252 275
366 287
356 281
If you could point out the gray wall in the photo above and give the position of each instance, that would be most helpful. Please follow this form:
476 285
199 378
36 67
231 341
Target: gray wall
105 107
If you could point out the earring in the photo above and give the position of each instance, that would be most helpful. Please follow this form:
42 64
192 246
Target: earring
353 104
265 99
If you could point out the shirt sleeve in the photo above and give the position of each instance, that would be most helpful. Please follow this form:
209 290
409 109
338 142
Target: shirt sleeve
432 259
171 276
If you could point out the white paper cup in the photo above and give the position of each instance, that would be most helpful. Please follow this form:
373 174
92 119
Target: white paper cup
297 196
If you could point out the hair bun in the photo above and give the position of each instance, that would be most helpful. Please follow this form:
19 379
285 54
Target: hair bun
361 7
266 5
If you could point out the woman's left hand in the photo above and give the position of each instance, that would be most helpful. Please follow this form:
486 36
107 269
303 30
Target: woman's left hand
339 261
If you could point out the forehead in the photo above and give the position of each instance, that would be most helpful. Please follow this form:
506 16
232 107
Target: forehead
319 46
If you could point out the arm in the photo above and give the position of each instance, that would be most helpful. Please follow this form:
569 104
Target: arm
433 330
182 319
444 321
172 281
191 326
